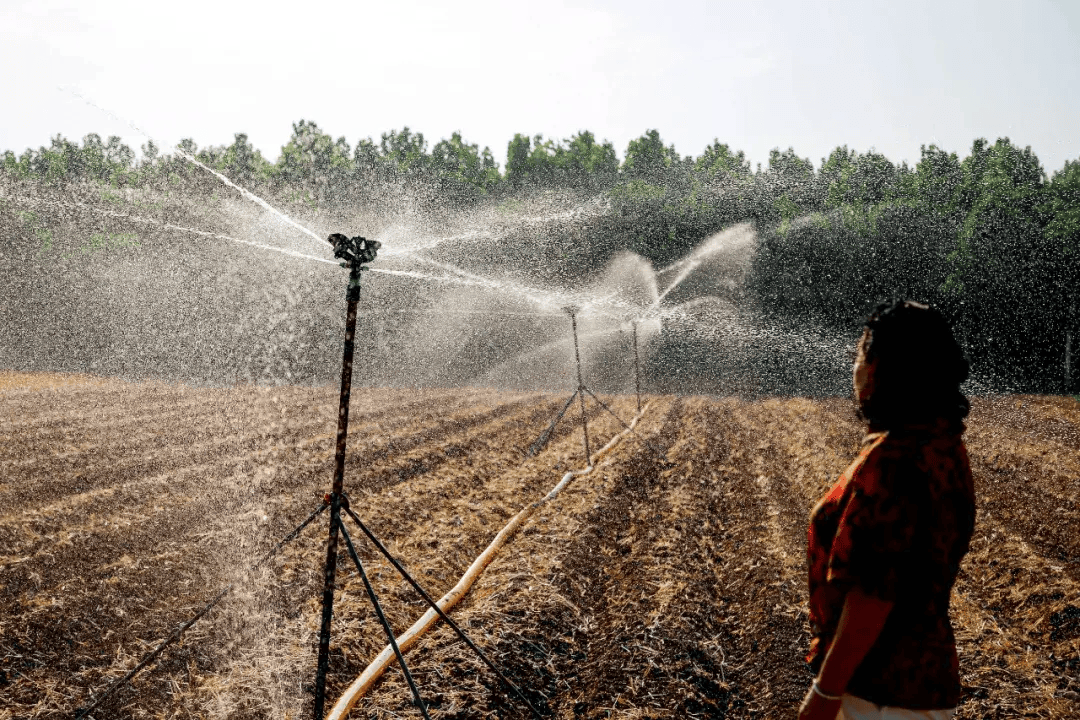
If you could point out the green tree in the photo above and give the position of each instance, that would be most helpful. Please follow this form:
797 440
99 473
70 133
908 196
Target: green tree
718 161
118 155
405 152
517 160
648 158
242 162
464 164
188 147
150 152
576 162
851 178
1001 263
314 163
366 157
1062 209
937 182
584 162
787 189
532 161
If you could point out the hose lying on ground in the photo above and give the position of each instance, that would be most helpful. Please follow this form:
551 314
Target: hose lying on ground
409 638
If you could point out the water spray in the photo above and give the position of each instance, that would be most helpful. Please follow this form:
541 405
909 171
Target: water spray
184 627
187 156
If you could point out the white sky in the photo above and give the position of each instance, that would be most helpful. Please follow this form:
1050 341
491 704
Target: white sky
813 75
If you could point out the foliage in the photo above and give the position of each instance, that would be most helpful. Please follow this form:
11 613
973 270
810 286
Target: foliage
461 163
648 158
311 162
718 160
987 238
578 162
1062 209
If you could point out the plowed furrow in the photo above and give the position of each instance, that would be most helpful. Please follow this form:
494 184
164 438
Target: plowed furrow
668 586
216 445
218 494
503 601
198 524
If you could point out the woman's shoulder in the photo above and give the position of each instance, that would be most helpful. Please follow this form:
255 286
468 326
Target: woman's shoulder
928 453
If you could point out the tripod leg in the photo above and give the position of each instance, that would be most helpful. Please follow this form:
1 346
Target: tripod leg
659 454
446 618
386 626
541 441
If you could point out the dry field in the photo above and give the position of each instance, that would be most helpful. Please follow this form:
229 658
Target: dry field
664 585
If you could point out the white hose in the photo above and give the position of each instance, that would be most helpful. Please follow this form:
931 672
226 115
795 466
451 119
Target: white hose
409 638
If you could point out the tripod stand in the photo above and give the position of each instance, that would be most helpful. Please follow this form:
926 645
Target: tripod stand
356 252
581 391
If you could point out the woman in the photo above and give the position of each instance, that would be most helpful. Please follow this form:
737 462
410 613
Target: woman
885 543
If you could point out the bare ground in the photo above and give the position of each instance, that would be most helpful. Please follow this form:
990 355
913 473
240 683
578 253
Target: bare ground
669 583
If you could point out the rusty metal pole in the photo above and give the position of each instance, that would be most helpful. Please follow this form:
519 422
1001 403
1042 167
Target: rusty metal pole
580 388
637 372
352 298
355 251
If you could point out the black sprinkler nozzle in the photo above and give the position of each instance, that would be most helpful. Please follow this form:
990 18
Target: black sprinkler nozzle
356 252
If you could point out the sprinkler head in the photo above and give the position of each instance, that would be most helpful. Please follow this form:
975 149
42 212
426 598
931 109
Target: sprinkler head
356 252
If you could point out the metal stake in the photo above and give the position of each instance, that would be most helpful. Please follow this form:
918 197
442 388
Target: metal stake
352 297
637 372
435 606
541 441
580 387
355 252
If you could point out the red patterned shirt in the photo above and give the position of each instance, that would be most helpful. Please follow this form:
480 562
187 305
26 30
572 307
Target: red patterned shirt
896 525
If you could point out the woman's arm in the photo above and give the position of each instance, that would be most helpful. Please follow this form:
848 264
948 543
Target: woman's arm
860 624
861 621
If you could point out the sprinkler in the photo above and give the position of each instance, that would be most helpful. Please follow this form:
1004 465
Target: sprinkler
572 312
355 252
582 390
637 371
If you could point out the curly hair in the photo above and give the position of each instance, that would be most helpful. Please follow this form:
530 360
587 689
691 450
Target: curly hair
918 366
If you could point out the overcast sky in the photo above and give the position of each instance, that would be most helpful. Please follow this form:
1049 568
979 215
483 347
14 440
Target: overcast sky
757 75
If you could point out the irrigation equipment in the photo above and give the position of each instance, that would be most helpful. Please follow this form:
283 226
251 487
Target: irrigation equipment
435 606
581 391
417 700
356 252
410 637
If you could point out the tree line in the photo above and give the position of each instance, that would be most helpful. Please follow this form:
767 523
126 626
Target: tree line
991 239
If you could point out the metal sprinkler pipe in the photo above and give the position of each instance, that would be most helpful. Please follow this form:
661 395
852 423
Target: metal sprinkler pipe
660 454
541 441
637 371
355 252
580 384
